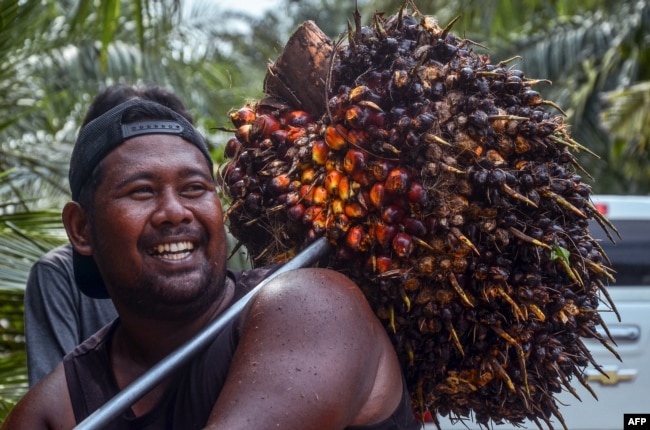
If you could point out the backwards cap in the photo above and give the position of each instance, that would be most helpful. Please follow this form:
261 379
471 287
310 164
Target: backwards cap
95 141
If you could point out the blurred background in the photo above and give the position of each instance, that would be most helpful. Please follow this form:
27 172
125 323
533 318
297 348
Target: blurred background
55 55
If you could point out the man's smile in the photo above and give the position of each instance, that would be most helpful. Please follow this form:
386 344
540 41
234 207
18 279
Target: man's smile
172 250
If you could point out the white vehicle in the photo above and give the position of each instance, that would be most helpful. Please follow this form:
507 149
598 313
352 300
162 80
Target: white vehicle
626 388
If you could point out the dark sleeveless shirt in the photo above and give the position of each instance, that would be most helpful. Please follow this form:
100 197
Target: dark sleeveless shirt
194 388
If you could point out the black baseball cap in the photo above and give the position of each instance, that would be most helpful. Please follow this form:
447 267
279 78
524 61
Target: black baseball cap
95 141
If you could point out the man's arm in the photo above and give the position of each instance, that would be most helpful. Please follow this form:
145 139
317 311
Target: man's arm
312 355
46 406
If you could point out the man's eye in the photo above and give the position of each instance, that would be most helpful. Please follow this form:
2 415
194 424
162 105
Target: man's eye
142 191
194 190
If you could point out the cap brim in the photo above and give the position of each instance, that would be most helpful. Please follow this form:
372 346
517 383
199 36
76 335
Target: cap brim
87 276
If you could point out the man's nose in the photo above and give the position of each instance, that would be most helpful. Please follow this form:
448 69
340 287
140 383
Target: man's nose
171 209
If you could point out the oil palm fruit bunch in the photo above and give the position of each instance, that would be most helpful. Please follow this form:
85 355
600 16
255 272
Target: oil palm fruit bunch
450 190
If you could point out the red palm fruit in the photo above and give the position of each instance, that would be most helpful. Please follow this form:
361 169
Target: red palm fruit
266 144
337 206
279 184
414 227
403 245
234 174
296 212
377 195
392 214
358 138
376 118
264 126
311 213
417 194
360 93
383 263
345 188
294 133
381 168
307 175
355 117
253 201
355 210
336 137
333 164
319 152
233 147
338 226
332 180
319 223
398 181
238 189
279 137
243 133
362 177
297 118
307 193
357 239
385 233
290 198
354 161
245 115
319 196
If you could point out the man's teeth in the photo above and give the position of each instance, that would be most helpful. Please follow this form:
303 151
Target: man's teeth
173 251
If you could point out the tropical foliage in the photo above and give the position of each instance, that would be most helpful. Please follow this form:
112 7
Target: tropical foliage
56 54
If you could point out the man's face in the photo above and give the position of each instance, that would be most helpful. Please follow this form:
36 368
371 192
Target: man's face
157 231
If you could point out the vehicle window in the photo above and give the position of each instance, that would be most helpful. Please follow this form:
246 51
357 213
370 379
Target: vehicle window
630 255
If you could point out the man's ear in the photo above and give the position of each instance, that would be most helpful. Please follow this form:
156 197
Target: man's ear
75 221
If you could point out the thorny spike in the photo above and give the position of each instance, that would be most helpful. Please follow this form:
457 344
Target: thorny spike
565 380
562 201
581 346
578 374
405 299
515 195
447 29
537 311
600 269
454 338
357 20
537 81
522 236
602 219
460 236
570 272
520 353
606 329
378 26
459 290
600 339
515 308
502 373
612 306
504 63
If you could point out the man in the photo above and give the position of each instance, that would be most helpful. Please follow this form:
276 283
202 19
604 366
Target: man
146 224
58 315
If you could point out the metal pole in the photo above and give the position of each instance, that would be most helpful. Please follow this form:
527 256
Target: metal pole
141 386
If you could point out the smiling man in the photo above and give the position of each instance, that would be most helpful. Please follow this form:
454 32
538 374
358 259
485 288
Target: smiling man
147 229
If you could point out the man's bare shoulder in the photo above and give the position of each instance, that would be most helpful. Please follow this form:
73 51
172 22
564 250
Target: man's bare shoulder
46 406
310 344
